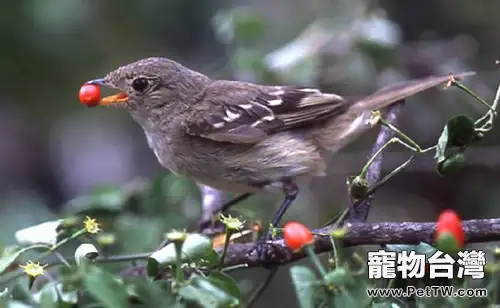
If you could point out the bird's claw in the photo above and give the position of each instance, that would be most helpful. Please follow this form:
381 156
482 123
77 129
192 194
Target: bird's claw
261 247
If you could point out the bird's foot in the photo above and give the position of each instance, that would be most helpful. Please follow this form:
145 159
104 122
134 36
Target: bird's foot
264 248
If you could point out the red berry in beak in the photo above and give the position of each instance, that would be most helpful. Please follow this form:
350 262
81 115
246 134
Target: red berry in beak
90 95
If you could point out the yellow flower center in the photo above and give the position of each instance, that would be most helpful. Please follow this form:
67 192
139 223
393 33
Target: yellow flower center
33 269
91 225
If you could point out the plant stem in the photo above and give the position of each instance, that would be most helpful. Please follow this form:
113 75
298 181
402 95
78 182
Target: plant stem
339 218
260 290
234 267
50 250
489 116
314 259
387 177
401 134
27 294
64 241
474 95
124 258
62 258
179 274
362 264
374 156
229 232
336 259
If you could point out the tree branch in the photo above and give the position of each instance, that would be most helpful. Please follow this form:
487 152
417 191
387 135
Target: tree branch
483 230
359 212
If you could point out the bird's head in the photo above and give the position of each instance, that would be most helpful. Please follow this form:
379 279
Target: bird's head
149 83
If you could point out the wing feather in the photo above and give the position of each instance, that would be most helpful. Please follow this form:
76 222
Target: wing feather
256 114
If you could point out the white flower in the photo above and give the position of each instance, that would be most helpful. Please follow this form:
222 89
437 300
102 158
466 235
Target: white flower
44 233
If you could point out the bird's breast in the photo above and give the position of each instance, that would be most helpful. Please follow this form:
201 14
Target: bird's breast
164 151
237 167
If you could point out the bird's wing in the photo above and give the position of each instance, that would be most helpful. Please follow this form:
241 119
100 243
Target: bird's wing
250 116
242 114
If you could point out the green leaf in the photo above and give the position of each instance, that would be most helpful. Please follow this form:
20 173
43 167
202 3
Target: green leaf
54 291
177 189
387 304
18 304
461 130
248 60
226 283
44 233
10 254
47 301
211 258
138 233
345 299
441 146
307 286
194 248
4 297
105 288
153 294
104 198
202 291
34 210
451 163
156 194
422 248
248 26
193 294
339 277
71 278
166 193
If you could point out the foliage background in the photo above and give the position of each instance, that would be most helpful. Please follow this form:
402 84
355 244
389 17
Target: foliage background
52 149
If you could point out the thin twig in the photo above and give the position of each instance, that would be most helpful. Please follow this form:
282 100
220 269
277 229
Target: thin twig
359 213
261 288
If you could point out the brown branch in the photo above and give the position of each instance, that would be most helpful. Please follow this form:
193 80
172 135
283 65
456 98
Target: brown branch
359 211
482 230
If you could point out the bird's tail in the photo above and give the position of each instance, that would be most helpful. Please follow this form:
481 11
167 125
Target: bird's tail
393 93
343 129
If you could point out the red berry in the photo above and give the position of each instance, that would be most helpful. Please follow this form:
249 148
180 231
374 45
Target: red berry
449 221
90 95
297 235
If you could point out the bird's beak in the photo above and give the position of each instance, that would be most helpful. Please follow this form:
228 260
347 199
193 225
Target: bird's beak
111 99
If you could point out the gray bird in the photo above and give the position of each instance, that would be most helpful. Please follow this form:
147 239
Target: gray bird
243 137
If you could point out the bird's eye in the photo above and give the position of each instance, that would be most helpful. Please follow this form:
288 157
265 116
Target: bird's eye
140 84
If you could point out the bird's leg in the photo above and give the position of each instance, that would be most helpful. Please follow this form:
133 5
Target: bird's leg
291 190
226 206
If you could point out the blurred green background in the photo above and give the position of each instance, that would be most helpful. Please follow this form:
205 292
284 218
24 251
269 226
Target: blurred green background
53 149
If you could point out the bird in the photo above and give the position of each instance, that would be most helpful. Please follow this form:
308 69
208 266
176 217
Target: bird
244 137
